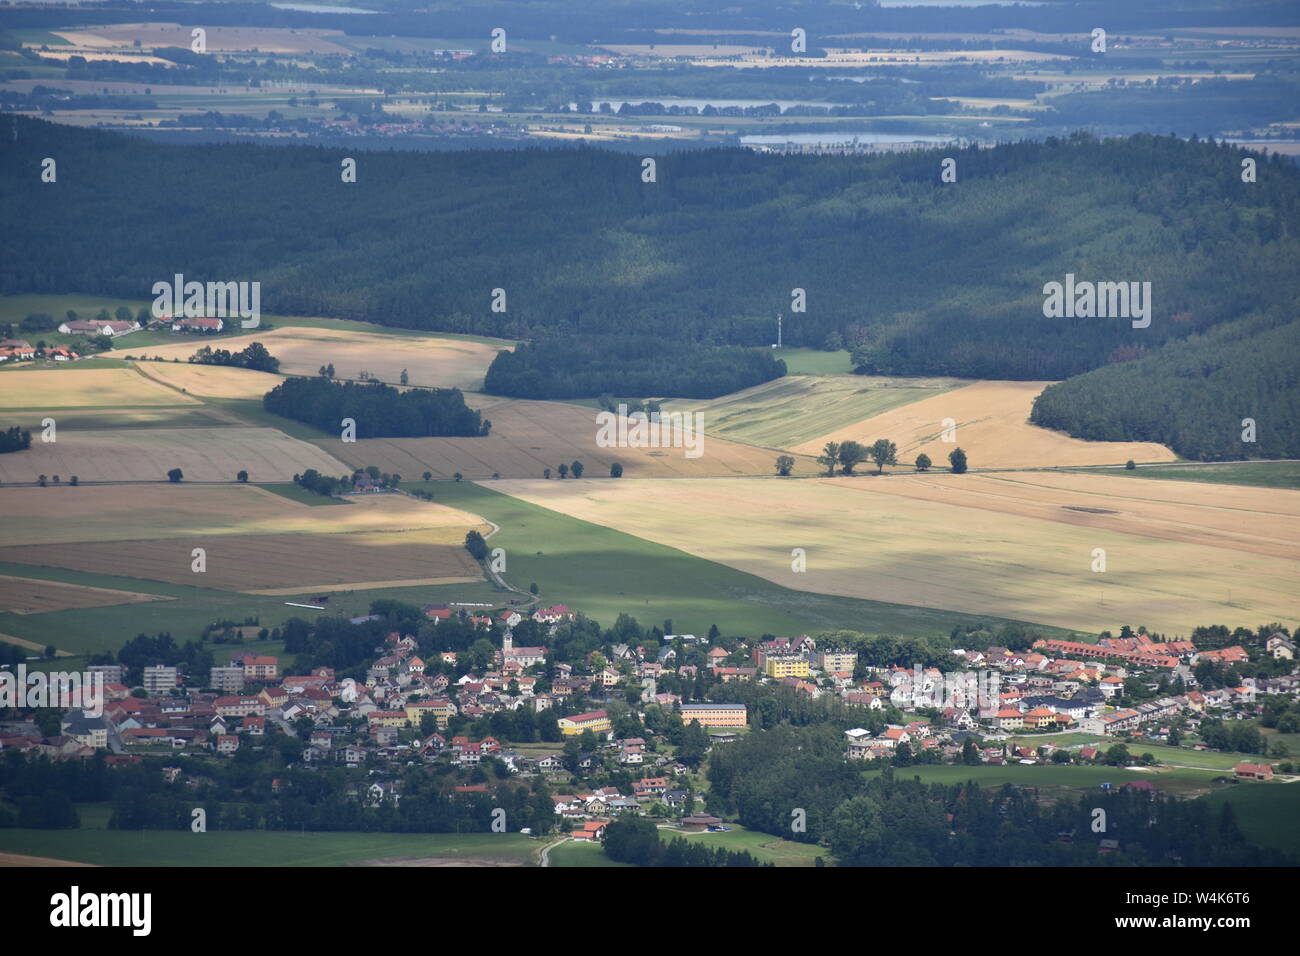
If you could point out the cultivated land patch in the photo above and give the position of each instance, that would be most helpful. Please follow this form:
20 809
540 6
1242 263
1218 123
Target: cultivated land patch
219 39
790 411
45 516
147 454
211 381
273 564
1011 549
428 361
528 437
81 386
992 427
36 596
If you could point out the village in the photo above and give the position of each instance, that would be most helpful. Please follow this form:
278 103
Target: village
979 712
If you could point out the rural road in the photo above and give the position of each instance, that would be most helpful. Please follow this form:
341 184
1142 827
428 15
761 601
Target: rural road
544 858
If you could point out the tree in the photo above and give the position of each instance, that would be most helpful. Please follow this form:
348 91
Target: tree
242 477
404 378
563 470
830 457
175 475
576 468
476 546
41 480
884 452
546 473
458 476
616 470
74 481
923 462
1130 465
851 454
957 458
427 475
784 465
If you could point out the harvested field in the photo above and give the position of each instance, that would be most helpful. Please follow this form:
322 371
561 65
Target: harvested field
35 596
211 381
278 564
147 454
1003 545
795 409
219 39
53 388
992 427
528 437
429 361
18 859
46 516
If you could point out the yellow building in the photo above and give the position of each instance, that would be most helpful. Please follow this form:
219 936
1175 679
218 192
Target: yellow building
716 715
597 721
786 667
836 661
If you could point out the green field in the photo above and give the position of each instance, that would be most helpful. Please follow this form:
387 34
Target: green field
1054 777
603 572
764 846
798 408
1268 813
262 847
1257 474
581 853
815 361
108 628
300 494
1174 756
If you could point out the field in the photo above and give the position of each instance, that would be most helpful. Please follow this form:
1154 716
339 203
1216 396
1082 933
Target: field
82 385
581 853
265 848
767 848
219 39
528 437
254 540
428 360
1268 814
815 361
1177 556
992 427
603 572
1066 780
273 563
147 454
34 596
796 409
211 381
1256 474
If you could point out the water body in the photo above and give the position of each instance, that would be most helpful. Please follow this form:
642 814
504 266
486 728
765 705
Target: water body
835 139
699 104
319 8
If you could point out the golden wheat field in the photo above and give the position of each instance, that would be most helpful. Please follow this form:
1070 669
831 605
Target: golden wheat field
147 454
20 595
427 360
83 386
1018 548
211 381
218 39
991 422
528 437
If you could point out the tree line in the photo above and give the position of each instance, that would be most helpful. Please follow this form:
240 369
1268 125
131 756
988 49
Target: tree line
377 410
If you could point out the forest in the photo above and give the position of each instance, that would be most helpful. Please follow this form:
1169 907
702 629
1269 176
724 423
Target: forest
917 276
377 410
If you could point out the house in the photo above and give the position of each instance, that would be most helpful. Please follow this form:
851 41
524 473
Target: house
1280 647
1253 771
592 830
597 721
227 744
700 821
197 324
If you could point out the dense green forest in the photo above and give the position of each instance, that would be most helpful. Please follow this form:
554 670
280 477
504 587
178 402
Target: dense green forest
378 410
892 821
917 275
15 438
573 367
1194 395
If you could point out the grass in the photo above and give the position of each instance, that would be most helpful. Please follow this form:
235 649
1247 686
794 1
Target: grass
1174 756
1268 813
815 361
765 847
1257 474
581 853
108 628
261 847
302 495
1076 778
603 572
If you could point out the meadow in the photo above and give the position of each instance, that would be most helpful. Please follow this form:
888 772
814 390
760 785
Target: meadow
1255 474
990 422
1069 779
1268 814
20 595
1026 549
